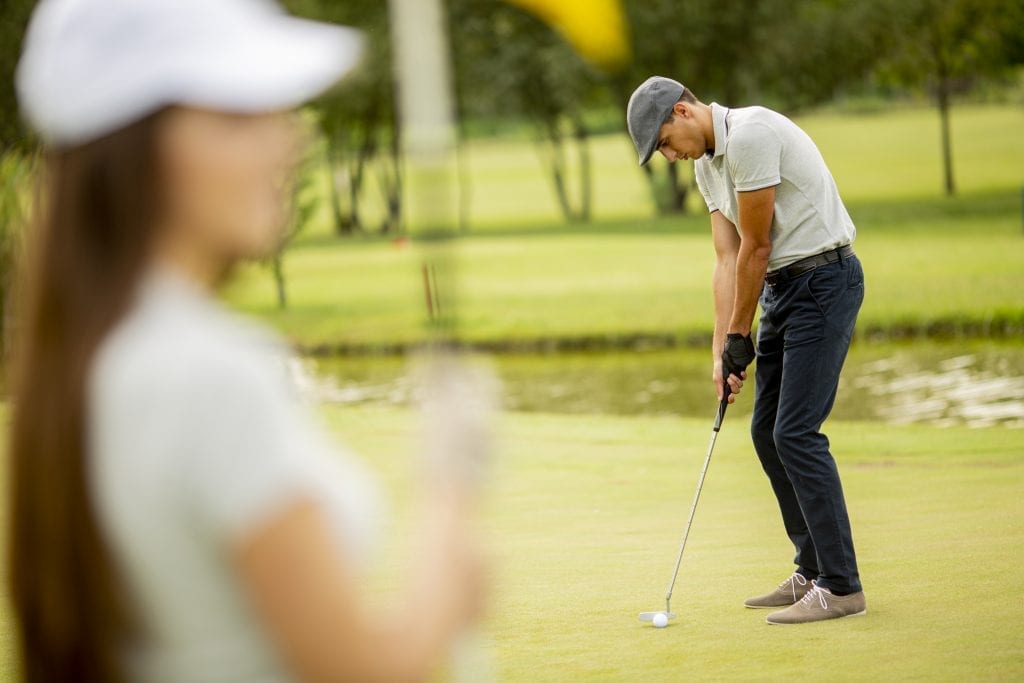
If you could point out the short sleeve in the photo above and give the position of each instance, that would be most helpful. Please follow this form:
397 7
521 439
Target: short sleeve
248 450
702 185
754 157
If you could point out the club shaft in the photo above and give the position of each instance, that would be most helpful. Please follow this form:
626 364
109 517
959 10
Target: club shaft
696 499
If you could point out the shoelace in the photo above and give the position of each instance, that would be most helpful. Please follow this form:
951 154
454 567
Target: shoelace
815 592
792 581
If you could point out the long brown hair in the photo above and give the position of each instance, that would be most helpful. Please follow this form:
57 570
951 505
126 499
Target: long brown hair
94 234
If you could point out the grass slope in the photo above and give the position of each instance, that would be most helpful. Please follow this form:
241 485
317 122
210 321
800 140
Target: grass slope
585 517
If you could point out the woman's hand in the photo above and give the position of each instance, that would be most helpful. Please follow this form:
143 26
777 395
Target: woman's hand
458 403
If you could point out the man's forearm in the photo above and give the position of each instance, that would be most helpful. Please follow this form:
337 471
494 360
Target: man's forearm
724 288
751 265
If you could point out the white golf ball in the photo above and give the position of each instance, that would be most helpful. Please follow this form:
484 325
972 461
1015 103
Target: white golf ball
660 620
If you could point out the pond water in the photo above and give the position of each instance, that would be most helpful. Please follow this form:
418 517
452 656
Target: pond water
978 383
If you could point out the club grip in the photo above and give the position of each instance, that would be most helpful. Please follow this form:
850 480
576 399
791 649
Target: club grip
722 405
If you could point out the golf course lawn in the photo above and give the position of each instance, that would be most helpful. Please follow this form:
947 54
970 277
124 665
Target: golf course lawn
923 260
523 274
584 518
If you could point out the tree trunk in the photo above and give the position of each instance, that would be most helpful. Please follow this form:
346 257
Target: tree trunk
465 182
355 181
669 194
582 136
395 196
947 148
676 191
341 226
556 165
357 175
942 95
278 268
391 187
652 185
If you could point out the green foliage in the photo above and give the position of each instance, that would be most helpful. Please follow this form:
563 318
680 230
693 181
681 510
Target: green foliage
953 44
17 172
947 47
792 54
509 65
13 19
813 52
358 121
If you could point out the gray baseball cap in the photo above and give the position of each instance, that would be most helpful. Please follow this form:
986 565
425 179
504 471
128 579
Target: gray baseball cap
648 107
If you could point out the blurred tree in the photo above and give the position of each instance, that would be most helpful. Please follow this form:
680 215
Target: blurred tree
509 64
661 46
358 122
813 51
305 200
714 47
18 171
17 161
946 47
14 16
788 54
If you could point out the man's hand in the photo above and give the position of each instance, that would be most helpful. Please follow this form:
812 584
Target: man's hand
735 383
737 354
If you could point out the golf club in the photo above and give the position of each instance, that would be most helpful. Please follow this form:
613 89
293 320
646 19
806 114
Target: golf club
669 614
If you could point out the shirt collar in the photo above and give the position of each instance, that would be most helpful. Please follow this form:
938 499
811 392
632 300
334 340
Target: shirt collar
718 114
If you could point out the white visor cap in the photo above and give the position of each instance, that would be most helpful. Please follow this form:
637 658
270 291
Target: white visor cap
91 67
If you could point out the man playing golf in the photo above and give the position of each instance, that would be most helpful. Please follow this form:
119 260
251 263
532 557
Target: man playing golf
781 234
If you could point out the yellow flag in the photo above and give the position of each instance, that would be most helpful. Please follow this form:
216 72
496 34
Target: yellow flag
596 28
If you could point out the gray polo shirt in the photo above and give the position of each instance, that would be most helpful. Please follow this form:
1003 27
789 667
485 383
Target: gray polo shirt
757 148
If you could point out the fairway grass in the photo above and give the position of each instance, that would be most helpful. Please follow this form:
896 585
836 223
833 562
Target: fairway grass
583 518
923 261
584 521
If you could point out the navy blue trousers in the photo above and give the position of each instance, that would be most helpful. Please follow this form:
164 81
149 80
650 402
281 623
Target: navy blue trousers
804 334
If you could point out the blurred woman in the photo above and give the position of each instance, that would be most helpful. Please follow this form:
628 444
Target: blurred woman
175 514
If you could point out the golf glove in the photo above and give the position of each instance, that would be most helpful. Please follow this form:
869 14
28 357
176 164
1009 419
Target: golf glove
737 354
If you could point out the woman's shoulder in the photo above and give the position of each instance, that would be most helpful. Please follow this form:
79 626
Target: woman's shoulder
177 339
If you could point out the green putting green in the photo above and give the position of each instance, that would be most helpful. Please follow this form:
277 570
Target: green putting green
584 514
584 518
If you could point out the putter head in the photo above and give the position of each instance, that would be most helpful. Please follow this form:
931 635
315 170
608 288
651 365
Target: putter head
649 616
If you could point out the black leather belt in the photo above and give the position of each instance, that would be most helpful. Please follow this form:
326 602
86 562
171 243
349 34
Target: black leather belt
808 264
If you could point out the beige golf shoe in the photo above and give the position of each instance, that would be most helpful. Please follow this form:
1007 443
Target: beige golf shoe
787 593
818 605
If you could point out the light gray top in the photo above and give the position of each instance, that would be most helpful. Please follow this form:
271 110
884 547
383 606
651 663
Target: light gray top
196 437
757 148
